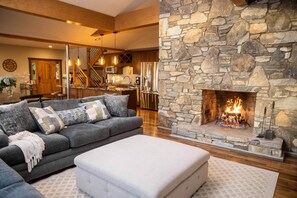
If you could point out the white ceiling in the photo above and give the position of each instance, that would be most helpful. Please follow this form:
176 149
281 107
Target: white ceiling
112 7
22 24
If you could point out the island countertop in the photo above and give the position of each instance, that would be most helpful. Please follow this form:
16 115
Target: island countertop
80 92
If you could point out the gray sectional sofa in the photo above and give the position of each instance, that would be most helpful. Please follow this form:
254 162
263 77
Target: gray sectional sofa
62 147
12 185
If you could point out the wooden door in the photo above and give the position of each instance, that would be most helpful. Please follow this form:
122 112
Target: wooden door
46 74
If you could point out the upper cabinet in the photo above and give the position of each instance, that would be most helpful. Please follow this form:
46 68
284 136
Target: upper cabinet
133 59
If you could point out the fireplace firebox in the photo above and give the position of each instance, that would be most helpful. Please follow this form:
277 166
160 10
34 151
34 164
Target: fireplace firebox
228 108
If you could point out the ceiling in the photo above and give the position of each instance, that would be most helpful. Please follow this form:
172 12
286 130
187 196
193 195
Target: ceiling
20 28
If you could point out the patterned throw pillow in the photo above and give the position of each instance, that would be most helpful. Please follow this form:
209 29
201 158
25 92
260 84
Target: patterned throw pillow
15 118
117 105
73 116
47 119
96 111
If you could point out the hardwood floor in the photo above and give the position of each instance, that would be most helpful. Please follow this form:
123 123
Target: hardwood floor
287 180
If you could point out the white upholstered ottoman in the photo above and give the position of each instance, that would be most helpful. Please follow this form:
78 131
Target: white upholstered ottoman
142 166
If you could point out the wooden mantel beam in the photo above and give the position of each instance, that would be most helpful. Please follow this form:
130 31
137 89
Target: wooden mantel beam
63 12
240 2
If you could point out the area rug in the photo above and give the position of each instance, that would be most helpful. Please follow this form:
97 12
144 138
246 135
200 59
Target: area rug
226 179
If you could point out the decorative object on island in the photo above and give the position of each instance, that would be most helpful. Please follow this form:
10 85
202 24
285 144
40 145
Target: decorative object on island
7 82
9 65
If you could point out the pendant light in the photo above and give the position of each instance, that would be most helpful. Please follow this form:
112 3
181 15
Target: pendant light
101 59
78 63
115 57
69 62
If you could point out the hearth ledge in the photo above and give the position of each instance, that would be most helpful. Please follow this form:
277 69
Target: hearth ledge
244 141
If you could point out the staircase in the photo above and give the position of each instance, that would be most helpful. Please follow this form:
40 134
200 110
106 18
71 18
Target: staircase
89 77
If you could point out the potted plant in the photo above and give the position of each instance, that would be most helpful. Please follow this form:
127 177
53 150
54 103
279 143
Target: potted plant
7 82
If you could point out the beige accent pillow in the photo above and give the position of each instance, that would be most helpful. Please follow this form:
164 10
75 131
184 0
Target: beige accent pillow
47 119
96 111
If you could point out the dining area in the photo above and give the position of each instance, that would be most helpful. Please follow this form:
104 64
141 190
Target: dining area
9 94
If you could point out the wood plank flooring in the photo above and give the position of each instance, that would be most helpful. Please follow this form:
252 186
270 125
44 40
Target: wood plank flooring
287 180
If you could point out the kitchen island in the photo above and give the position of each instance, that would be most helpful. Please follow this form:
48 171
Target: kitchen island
80 92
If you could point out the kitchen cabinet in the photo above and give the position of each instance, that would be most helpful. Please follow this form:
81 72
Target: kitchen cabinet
144 56
137 58
80 92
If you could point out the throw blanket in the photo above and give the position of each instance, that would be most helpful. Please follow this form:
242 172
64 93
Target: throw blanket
31 145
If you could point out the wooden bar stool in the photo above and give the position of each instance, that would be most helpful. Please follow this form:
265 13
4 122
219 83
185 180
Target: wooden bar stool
61 96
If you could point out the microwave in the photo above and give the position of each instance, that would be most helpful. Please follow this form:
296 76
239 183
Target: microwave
111 69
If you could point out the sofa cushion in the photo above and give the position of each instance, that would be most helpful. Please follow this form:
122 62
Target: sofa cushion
54 143
8 176
12 155
20 190
3 139
96 111
15 118
119 125
84 133
47 119
73 116
92 98
35 104
60 105
117 105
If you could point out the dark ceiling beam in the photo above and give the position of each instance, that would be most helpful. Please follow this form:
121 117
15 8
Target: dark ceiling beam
61 11
54 41
240 2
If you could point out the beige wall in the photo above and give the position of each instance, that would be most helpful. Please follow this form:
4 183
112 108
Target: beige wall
20 55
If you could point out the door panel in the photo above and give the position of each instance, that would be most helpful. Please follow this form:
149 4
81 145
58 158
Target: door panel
48 75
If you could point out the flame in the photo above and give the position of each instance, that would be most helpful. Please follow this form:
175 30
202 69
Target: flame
234 106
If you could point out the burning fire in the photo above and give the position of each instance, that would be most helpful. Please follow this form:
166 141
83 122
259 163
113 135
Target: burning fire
234 106
231 117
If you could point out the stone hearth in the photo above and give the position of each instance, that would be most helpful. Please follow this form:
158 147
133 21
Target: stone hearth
241 49
237 139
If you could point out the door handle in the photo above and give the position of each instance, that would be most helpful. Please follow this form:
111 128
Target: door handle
39 78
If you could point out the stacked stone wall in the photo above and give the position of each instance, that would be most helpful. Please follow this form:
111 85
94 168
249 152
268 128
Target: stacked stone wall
213 44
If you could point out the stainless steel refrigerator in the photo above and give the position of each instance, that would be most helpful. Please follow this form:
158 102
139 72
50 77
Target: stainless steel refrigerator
149 85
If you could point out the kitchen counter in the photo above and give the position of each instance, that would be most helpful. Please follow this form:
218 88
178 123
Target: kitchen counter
80 92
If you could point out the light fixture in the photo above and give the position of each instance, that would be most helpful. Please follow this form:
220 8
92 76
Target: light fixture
114 57
101 59
69 61
78 63
50 46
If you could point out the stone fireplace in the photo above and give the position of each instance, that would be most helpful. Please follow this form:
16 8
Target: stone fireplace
249 52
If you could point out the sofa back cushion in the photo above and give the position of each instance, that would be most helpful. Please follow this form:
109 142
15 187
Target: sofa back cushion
117 105
92 98
60 105
15 118
35 104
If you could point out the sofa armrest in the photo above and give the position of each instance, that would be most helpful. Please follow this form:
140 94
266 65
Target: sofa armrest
131 112
3 139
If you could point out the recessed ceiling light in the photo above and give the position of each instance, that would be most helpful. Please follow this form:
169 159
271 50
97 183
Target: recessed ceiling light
50 46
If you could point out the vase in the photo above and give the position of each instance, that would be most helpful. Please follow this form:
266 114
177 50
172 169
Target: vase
9 91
